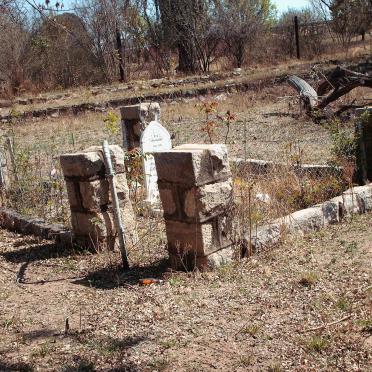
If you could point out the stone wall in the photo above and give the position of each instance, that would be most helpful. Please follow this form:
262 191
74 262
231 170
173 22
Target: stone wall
196 192
88 190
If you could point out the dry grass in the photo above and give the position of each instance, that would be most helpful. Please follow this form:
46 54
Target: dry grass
252 315
265 127
138 88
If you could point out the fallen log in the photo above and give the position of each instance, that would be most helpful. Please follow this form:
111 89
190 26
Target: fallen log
307 93
339 82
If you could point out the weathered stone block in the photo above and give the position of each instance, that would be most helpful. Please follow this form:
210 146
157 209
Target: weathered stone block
168 197
212 261
203 202
134 121
82 164
349 203
146 111
331 213
304 220
193 164
197 203
198 239
117 156
90 162
73 193
365 195
97 225
222 257
94 194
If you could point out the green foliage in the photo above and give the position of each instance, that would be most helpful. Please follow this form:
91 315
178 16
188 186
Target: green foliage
344 145
366 325
344 142
112 122
350 247
366 118
317 343
343 304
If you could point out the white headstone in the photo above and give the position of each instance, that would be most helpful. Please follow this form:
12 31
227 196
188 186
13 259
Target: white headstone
155 138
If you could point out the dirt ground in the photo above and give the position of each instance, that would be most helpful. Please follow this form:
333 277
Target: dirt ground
301 306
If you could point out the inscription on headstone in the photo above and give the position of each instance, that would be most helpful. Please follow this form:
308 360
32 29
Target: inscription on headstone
155 138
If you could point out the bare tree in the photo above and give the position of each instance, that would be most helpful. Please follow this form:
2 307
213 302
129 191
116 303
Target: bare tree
241 23
312 31
182 22
348 17
13 41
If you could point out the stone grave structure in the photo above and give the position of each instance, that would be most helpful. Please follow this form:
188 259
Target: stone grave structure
134 120
92 217
196 192
155 138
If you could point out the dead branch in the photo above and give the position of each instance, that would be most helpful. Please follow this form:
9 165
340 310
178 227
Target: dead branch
342 81
338 83
328 324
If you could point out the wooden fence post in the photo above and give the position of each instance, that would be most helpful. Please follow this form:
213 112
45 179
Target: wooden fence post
297 36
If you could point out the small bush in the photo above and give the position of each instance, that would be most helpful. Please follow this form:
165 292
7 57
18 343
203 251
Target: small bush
317 344
309 279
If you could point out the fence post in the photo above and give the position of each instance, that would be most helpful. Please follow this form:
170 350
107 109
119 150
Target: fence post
297 37
115 202
12 159
2 175
120 55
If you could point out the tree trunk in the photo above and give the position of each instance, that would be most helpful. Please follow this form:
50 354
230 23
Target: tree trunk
179 22
187 61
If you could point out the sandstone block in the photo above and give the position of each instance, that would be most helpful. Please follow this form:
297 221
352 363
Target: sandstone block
193 164
212 261
203 202
73 193
198 239
168 197
94 194
197 203
146 111
82 164
365 195
117 156
97 225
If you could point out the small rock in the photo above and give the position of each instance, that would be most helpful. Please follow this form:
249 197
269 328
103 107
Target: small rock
221 97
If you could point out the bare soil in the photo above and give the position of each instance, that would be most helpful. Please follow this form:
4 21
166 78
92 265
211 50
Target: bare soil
301 306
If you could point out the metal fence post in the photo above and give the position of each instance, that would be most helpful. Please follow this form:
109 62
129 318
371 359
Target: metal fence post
115 201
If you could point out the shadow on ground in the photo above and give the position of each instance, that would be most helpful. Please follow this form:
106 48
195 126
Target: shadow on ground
280 114
114 276
29 254
38 252
19 367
